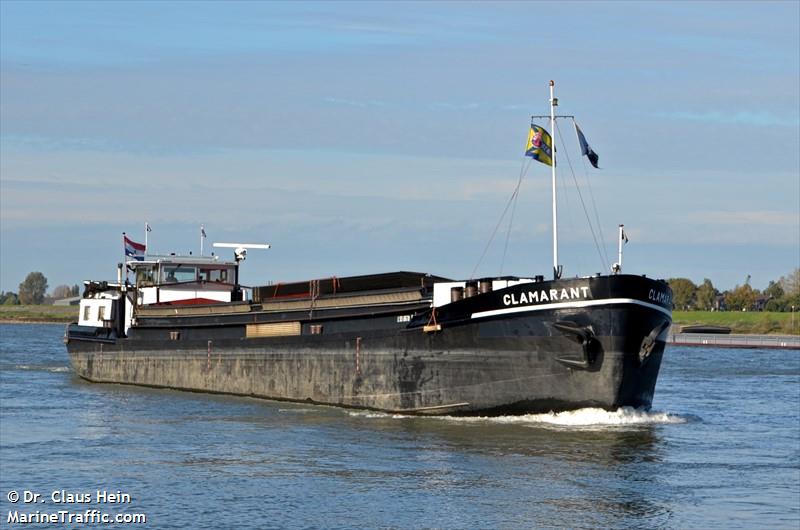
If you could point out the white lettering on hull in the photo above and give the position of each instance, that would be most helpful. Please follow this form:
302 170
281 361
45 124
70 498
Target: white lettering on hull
552 295
573 304
659 297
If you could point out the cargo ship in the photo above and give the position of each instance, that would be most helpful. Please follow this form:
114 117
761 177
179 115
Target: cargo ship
400 342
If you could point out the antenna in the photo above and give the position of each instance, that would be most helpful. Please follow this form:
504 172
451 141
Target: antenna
623 239
240 249
557 270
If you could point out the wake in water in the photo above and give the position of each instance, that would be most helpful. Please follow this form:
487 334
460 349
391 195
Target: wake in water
41 368
594 417
581 418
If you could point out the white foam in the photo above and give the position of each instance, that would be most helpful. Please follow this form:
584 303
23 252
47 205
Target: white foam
581 418
371 414
34 367
594 417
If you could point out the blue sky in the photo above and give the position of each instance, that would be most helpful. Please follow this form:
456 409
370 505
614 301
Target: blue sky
366 137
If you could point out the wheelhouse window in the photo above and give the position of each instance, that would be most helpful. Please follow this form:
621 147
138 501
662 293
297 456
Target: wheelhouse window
145 276
178 274
219 274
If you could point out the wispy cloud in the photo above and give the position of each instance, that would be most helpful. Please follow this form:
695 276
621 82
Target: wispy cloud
741 117
443 105
450 106
342 127
355 103
516 106
757 217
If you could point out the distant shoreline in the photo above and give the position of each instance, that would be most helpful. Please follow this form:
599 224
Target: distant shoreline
13 321
734 340
38 314
741 323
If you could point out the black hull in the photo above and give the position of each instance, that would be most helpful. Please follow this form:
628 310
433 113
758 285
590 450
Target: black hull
477 356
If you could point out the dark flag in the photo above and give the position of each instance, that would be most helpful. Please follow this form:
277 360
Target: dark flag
585 149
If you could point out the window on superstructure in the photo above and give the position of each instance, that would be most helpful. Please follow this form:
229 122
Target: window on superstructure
86 311
214 275
178 274
145 276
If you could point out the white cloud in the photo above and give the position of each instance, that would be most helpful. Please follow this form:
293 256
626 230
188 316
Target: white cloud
759 118
759 217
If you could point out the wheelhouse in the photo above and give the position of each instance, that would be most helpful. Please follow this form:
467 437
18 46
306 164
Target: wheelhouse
184 279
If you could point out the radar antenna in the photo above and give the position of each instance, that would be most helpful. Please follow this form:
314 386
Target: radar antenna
240 249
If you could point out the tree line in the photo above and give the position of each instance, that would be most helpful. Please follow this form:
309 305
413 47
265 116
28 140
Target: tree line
33 291
780 295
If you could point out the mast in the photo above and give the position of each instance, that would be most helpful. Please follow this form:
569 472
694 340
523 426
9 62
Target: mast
619 251
553 104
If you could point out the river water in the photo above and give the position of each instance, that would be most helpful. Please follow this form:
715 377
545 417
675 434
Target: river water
721 448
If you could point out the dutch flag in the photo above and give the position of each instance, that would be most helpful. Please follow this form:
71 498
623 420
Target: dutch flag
133 249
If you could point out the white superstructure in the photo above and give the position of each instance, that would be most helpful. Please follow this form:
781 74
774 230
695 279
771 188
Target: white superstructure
162 279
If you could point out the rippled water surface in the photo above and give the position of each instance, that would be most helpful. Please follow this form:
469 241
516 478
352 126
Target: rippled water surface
721 448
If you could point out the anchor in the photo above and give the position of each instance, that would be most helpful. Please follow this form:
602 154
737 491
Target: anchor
649 342
583 335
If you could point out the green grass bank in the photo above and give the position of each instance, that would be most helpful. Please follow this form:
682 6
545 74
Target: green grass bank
38 313
760 323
